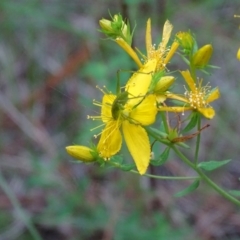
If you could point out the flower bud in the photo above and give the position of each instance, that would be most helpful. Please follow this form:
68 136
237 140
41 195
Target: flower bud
202 56
186 41
81 153
163 84
105 25
116 28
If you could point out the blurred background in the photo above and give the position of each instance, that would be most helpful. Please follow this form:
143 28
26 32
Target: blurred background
52 56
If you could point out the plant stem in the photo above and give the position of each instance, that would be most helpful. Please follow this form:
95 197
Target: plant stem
165 177
206 178
198 142
18 208
165 123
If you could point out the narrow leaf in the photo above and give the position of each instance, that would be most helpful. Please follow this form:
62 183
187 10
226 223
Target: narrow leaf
235 193
128 167
188 190
192 123
212 165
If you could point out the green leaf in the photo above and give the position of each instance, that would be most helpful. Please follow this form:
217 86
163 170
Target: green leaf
212 165
128 167
162 158
192 123
158 135
235 193
188 190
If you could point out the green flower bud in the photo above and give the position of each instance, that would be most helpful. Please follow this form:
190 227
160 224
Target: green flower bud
82 153
185 40
116 28
202 56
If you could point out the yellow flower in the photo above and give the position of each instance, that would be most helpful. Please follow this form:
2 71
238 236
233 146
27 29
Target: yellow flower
81 153
162 53
129 111
197 98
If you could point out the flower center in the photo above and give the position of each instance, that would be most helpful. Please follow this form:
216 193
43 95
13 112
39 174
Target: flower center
159 54
197 97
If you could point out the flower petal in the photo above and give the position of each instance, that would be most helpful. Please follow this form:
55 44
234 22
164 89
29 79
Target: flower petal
207 112
138 145
127 48
174 109
139 82
214 94
188 78
167 30
110 141
148 37
145 112
106 111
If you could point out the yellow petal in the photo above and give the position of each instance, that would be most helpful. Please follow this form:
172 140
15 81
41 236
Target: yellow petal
145 112
106 111
81 153
188 78
215 94
148 37
161 98
207 112
167 29
138 145
127 48
177 97
174 109
110 141
139 82
171 52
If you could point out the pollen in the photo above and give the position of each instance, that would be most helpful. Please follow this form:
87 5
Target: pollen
159 54
197 97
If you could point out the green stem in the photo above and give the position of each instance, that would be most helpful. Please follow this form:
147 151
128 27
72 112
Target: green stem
165 177
206 178
198 142
18 208
193 71
155 176
165 123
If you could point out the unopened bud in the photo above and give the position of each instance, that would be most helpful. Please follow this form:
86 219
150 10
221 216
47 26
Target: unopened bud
81 153
163 84
185 40
202 56
105 25
115 28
